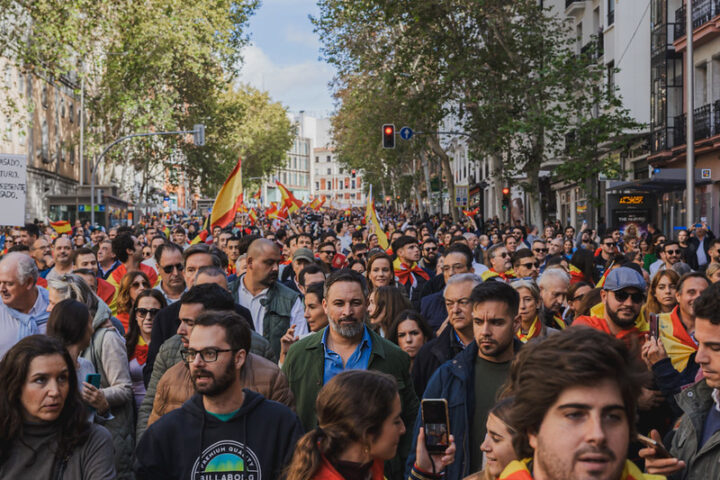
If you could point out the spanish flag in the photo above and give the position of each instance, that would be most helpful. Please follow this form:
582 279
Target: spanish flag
253 216
288 199
371 221
471 213
258 194
61 226
228 199
678 344
317 203
200 237
275 213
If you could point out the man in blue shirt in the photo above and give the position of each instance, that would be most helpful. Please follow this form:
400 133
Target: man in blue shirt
346 343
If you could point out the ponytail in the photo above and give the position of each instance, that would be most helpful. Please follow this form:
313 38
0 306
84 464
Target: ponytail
307 458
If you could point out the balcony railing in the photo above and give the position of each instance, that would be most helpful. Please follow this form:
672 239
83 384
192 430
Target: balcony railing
703 12
707 123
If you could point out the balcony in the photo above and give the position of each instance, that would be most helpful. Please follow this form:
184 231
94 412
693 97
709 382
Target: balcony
572 5
707 123
703 12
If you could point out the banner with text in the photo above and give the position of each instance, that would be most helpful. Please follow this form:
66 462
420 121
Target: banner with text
13 177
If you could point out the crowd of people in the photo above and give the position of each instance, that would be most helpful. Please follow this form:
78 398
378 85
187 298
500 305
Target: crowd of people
303 348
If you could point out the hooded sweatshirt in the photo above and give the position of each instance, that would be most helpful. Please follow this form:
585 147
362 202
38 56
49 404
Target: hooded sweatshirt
256 443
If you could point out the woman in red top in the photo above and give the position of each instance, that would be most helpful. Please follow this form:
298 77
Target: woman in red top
147 304
359 427
130 285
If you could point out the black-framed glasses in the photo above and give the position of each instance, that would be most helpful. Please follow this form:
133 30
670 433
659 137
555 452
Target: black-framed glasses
170 268
609 244
540 250
328 252
672 252
208 355
636 297
504 255
142 312
530 265
140 285
430 249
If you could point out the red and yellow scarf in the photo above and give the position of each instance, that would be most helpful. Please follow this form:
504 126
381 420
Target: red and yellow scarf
534 331
518 470
403 271
678 343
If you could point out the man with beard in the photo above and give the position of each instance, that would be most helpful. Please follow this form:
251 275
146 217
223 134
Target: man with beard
471 380
346 343
273 306
622 298
224 430
428 262
580 419
670 253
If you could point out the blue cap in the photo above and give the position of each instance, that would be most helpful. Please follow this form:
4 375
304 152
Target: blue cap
624 277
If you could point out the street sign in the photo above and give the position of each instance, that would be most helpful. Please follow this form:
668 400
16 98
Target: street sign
461 195
406 133
705 174
13 175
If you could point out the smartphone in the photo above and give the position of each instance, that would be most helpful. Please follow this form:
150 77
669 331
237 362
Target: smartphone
436 424
654 327
660 450
93 379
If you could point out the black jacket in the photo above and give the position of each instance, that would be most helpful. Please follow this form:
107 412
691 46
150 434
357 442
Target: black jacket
692 248
433 354
165 326
259 439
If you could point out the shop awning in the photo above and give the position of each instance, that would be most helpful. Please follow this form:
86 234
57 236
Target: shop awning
661 180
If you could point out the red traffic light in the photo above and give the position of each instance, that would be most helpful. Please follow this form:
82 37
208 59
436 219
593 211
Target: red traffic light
388 130
505 191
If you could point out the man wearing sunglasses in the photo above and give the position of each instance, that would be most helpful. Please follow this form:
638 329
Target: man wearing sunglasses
169 260
608 249
525 265
540 250
623 296
670 253
429 259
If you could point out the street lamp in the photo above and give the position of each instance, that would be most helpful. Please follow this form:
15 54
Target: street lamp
198 132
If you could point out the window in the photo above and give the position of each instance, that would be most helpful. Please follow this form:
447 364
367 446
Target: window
45 146
611 12
352 184
44 96
328 158
62 107
71 112
71 154
329 170
317 185
611 76
317 159
341 185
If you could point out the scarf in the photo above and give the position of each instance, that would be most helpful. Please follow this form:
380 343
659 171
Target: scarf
29 323
141 351
641 323
404 272
678 343
534 331
518 470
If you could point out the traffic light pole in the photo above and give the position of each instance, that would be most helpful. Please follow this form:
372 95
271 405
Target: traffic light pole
199 130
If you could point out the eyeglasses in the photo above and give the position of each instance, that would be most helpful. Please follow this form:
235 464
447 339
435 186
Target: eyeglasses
430 249
540 250
530 265
328 252
208 355
504 254
609 244
170 268
142 312
140 284
576 298
622 295
672 252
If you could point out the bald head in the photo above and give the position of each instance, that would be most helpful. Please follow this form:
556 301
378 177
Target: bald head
262 265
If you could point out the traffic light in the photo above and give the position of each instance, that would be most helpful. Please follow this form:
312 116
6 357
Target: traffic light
506 198
388 133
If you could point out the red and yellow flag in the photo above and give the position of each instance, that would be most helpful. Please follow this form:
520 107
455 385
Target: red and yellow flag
253 216
372 221
471 213
200 237
61 226
275 213
228 199
288 199
317 203
258 194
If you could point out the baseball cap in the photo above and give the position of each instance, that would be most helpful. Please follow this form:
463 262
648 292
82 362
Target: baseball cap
304 254
624 277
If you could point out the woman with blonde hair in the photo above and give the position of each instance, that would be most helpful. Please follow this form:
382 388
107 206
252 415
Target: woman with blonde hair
359 428
530 324
661 294
713 272
131 284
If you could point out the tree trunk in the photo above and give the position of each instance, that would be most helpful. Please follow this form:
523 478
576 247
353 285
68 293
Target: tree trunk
435 146
426 174
496 174
533 191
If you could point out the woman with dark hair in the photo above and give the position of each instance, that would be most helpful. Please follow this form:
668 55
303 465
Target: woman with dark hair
384 305
130 285
147 304
380 271
359 427
45 432
410 332
65 324
582 267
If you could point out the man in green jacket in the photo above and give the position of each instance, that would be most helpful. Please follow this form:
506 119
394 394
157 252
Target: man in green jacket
347 344
695 447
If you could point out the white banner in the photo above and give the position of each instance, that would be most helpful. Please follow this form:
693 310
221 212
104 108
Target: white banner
13 178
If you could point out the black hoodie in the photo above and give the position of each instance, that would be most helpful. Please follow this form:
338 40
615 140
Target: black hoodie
190 444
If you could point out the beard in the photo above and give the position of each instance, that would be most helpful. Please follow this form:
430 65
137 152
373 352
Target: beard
620 322
563 468
269 279
347 330
217 386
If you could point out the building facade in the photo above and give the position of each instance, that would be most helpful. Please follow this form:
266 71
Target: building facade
342 187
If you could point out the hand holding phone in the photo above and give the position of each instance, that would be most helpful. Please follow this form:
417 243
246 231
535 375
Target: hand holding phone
435 424
658 460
